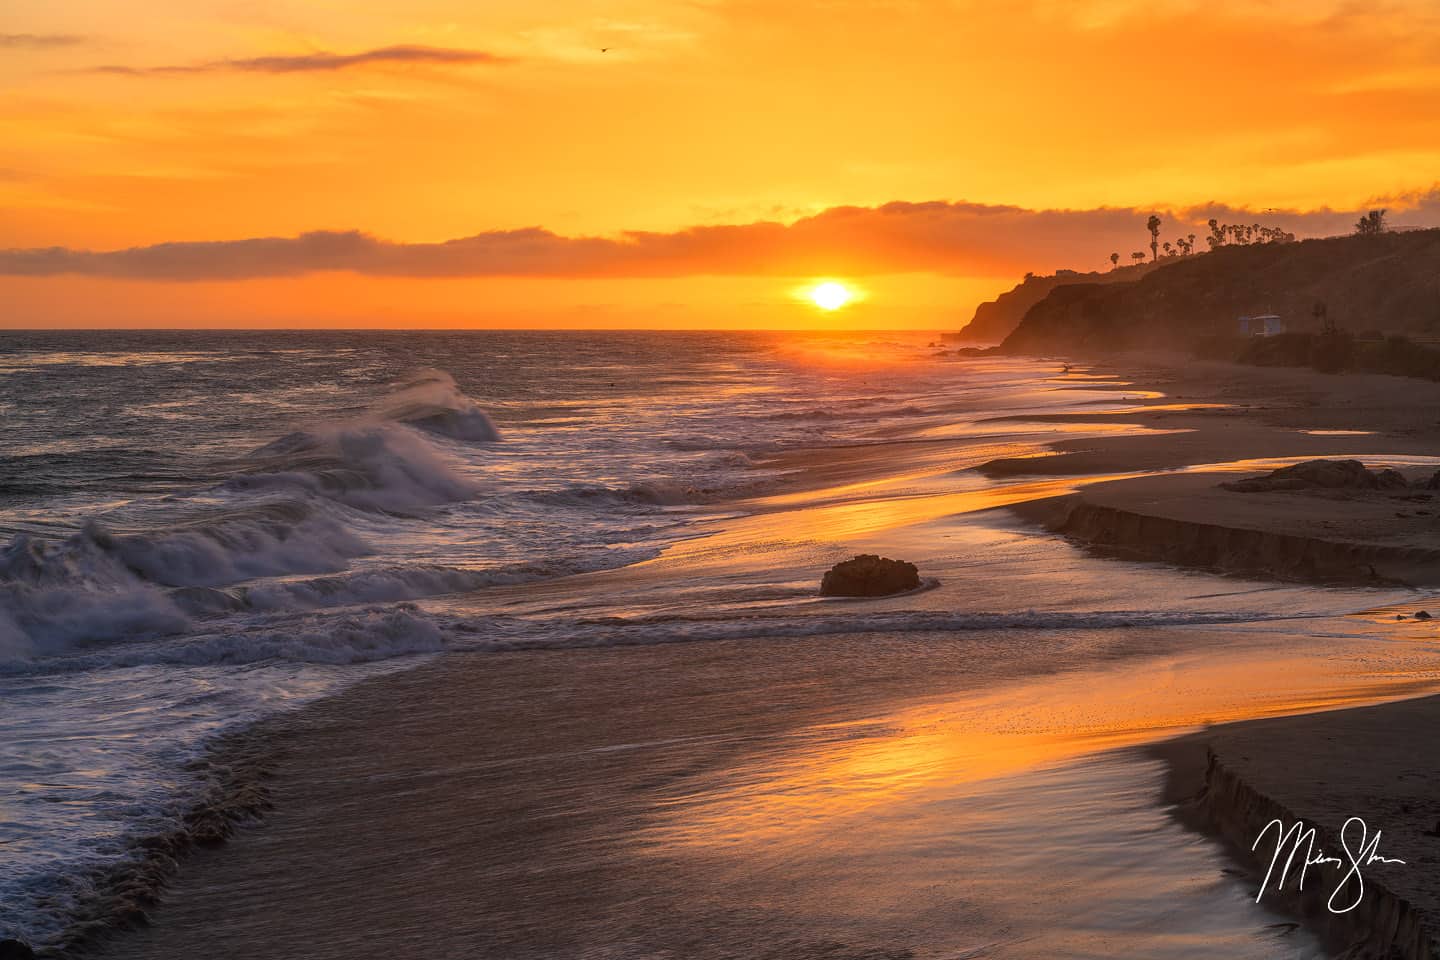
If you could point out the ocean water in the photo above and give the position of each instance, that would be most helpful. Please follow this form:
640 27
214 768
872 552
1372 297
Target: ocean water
202 529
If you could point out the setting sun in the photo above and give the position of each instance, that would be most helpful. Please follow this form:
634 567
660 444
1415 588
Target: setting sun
831 295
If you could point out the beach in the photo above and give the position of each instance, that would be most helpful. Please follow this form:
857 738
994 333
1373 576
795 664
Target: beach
901 777
716 480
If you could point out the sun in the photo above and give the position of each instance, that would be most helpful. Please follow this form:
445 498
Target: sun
831 295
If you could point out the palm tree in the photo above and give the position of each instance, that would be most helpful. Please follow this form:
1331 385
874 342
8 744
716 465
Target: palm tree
1153 225
1372 224
1114 260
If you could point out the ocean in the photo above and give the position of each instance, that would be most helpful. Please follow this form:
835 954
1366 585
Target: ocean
204 529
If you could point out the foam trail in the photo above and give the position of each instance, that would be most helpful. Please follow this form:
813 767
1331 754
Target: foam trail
515 633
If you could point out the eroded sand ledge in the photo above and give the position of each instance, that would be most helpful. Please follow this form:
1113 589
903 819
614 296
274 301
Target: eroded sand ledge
1190 520
1324 768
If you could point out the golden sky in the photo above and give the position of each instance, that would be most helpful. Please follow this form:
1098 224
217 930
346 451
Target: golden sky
688 176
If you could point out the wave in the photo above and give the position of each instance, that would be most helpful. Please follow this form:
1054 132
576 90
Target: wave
352 637
388 584
383 461
381 466
38 622
850 413
271 520
431 400
339 637
96 585
518 633
653 493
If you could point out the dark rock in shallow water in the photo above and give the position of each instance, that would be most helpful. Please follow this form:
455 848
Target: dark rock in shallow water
869 576
1424 615
15 950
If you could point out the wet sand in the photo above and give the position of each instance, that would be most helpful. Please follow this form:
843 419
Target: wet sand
692 800
1245 422
583 803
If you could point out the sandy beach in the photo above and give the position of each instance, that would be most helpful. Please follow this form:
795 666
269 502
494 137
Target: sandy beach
697 799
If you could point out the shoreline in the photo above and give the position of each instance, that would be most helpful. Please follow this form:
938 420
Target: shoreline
1319 770
334 713
1229 781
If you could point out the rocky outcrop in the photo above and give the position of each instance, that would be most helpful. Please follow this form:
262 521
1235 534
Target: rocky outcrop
869 575
1322 475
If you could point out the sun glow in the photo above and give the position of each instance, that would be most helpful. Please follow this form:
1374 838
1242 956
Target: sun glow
830 295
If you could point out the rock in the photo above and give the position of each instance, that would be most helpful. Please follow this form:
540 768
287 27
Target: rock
1321 474
1388 479
1424 615
869 576
15 950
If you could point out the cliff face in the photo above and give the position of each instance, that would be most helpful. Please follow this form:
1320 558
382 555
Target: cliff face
995 319
1390 283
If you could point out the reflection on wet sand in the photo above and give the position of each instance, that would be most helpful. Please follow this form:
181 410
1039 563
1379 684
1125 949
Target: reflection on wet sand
959 817
840 771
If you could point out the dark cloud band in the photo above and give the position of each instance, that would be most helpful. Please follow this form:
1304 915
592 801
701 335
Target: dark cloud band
320 61
39 41
959 239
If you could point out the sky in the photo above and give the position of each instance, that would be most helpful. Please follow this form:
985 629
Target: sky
671 163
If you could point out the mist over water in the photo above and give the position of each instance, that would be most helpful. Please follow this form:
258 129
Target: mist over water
198 530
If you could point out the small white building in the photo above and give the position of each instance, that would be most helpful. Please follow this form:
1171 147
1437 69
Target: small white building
1265 325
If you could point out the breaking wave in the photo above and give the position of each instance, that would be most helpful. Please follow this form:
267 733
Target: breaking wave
288 511
431 400
348 636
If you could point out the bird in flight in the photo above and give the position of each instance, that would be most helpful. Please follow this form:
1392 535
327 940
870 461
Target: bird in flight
604 49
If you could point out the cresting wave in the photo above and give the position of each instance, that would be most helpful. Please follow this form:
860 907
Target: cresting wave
290 508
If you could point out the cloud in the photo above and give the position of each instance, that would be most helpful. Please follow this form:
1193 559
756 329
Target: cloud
955 239
39 41
317 62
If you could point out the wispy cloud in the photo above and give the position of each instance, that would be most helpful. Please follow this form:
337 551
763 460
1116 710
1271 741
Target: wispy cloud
40 41
958 239
316 62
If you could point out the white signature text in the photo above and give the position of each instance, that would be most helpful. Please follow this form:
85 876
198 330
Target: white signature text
1297 845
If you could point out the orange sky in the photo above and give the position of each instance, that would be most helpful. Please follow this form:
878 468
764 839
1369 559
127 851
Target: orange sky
1052 128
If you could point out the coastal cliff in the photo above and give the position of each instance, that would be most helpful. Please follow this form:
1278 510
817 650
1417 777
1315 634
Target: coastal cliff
1389 282
994 320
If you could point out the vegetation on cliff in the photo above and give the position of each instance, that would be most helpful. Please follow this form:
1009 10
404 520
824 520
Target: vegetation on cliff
1372 282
